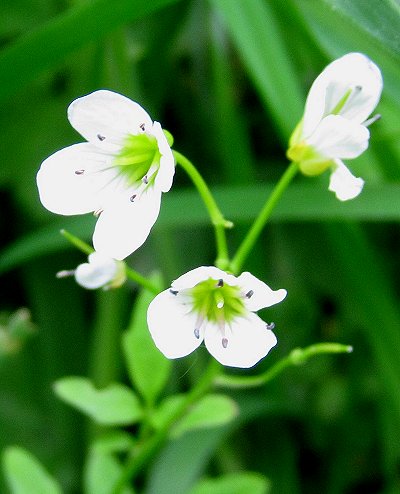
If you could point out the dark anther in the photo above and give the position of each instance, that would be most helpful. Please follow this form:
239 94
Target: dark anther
197 333
270 326
224 342
358 88
100 137
220 283
174 292
142 127
145 180
249 294
132 198
79 172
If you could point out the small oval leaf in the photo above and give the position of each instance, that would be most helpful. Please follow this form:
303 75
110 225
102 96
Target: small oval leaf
114 405
25 475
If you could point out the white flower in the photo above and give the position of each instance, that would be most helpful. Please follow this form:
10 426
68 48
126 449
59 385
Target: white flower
99 272
211 305
334 124
119 173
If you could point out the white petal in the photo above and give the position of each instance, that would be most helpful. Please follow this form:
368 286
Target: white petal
99 271
124 225
166 171
248 342
197 275
337 137
75 179
351 71
172 326
105 118
262 295
345 185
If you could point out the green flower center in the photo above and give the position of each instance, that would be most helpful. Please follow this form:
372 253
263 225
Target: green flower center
139 154
217 301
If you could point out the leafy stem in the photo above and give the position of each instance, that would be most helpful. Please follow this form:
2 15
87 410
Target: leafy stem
153 443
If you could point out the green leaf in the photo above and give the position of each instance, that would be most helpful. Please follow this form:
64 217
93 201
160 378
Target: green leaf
148 368
380 24
101 473
114 441
114 405
25 475
211 411
50 44
260 42
234 483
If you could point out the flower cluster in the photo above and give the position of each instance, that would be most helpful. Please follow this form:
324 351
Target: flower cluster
335 121
127 163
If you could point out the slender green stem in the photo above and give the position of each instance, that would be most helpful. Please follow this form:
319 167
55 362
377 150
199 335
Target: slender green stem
141 280
259 223
77 242
130 273
217 218
296 357
153 444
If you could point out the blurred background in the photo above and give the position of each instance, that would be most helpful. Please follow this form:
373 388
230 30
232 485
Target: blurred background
229 80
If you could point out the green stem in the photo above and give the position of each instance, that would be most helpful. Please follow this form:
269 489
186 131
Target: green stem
135 465
141 280
217 218
297 356
130 273
259 223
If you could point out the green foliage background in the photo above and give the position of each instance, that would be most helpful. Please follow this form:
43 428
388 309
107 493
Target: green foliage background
228 78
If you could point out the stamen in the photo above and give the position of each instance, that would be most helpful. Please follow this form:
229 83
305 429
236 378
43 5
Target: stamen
174 292
197 333
224 342
270 325
142 126
220 283
100 137
372 120
249 294
79 172
132 198
358 88
145 179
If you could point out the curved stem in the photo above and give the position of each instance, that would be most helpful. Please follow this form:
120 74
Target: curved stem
130 273
259 223
296 357
150 448
217 218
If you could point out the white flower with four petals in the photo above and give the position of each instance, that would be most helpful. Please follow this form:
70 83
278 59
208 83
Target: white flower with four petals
335 120
211 305
119 173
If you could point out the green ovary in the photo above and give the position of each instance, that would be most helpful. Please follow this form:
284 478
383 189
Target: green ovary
137 156
217 303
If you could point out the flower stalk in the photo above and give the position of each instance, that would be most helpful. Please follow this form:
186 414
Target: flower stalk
297 356
261 220
217 218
